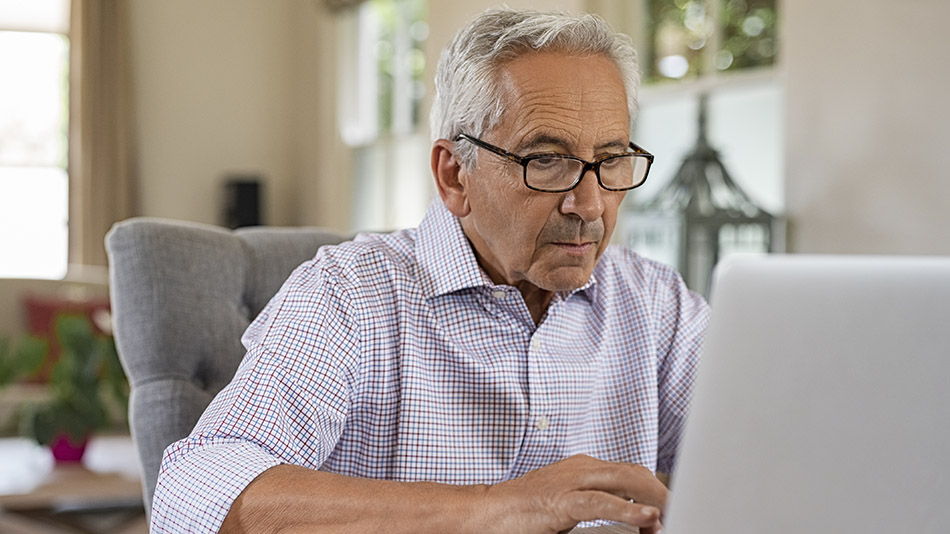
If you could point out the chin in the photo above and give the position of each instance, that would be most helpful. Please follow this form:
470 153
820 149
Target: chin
566 281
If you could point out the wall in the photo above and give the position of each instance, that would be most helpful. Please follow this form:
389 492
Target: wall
213 86
867 125
322 193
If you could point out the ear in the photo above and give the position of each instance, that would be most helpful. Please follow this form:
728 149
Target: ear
450 177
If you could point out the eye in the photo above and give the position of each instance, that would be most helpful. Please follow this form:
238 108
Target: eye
610 162
546 162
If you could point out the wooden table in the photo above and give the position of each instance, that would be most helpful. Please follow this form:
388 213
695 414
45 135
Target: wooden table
101 495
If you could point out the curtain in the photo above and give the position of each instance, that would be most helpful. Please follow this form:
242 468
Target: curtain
101 181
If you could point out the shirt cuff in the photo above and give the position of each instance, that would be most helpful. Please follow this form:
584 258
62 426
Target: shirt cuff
199 482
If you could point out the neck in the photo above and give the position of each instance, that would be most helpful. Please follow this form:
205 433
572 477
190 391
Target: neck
536 299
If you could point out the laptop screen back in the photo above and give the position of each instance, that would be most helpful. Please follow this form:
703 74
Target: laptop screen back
822 402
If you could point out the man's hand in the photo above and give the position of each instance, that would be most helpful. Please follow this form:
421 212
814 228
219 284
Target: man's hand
545 501
557 497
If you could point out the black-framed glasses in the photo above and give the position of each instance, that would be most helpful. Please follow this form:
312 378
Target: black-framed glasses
557 173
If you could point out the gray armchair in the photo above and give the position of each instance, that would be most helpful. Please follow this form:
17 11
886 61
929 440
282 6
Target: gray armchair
182 294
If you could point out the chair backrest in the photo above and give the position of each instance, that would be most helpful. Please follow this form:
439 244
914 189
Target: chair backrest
182 295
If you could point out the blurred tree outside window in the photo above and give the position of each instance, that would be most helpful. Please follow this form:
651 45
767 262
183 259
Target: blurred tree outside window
690 38
382 85
382 89
400 63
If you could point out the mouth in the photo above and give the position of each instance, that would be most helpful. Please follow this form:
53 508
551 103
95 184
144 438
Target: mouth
576 249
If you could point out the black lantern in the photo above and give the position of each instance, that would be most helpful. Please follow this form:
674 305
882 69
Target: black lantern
700 217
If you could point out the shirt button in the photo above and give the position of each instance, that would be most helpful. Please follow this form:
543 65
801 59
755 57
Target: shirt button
499 294
535 344
542 424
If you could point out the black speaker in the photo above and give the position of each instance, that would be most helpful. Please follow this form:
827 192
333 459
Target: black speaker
242 201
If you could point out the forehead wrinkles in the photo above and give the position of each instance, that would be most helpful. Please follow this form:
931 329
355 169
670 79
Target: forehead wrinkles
562 104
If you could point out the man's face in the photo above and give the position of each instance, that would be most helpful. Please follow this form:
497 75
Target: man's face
552 241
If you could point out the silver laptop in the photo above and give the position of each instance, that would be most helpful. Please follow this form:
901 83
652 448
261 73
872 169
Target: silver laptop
822 402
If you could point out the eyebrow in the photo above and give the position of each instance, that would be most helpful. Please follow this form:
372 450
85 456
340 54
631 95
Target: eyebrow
541 140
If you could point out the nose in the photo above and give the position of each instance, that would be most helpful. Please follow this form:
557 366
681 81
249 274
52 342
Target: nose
586 200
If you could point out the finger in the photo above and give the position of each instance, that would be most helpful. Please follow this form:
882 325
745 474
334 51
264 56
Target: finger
629 481
590 505
642 486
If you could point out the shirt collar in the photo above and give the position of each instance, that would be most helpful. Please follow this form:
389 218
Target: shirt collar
446 258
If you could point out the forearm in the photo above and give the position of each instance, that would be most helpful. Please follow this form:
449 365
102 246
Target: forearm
555 498
291 499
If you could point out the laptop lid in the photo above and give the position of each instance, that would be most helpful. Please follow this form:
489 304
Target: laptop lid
822 402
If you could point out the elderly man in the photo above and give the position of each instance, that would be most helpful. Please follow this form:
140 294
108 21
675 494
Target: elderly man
498 369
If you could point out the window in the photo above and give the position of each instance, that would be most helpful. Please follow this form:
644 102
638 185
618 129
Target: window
34 121
689 38
382 88
728 50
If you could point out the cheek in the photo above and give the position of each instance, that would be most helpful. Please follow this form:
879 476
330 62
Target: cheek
515 224
496 212
611 209
501 202
509 216
518 223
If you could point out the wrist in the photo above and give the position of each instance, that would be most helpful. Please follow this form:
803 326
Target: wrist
458 509
480 515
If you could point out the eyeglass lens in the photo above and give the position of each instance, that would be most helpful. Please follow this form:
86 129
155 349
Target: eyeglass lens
619 172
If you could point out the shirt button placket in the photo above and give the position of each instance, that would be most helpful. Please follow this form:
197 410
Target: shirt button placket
542 423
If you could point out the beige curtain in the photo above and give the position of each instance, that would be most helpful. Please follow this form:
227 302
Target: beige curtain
101 181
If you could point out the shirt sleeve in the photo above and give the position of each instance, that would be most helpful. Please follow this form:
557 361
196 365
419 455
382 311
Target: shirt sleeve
286 404
683 319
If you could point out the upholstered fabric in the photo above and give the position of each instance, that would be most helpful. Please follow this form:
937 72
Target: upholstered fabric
182 294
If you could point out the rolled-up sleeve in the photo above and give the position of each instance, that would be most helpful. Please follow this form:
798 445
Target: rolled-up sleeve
286 404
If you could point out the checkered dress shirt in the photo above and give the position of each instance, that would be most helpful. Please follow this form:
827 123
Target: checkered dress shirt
396 357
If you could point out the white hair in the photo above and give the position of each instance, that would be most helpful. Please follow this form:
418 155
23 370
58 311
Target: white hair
467 98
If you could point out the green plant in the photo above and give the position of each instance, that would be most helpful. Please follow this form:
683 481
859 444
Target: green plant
88 388
18 360
22 360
